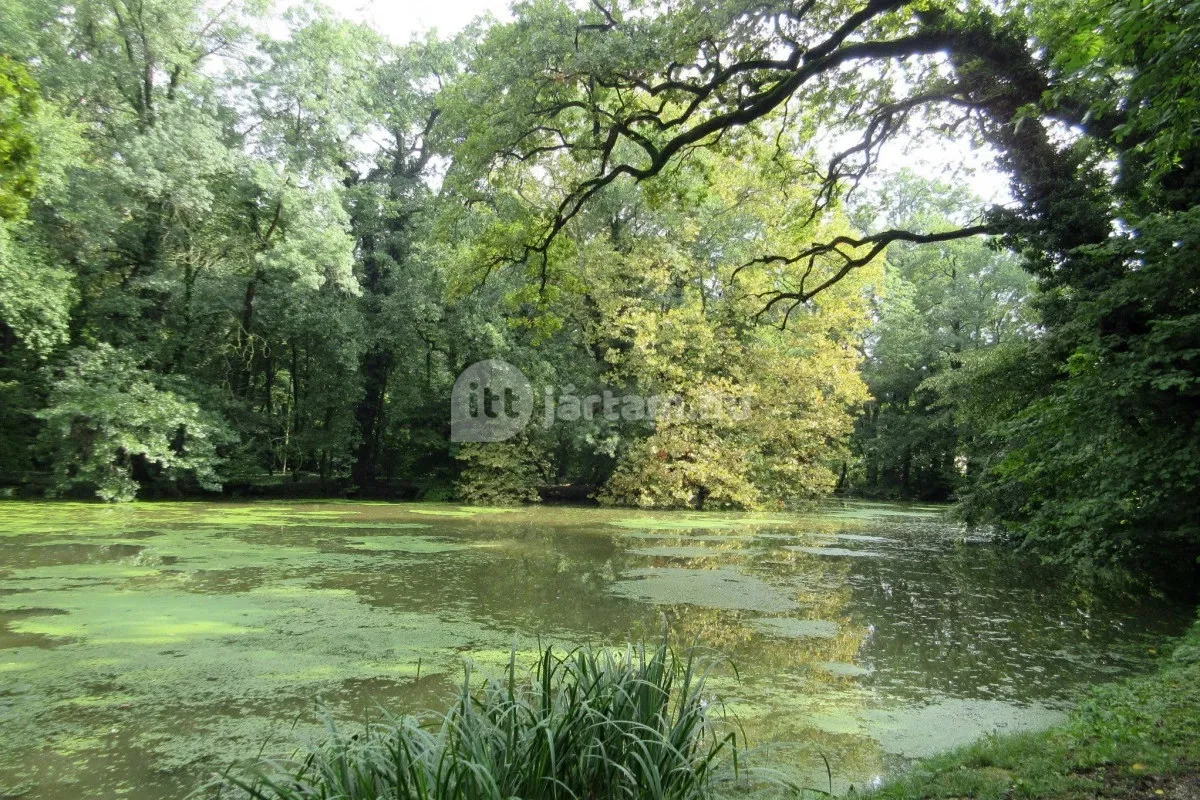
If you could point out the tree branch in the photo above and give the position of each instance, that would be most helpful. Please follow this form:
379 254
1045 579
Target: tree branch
877 243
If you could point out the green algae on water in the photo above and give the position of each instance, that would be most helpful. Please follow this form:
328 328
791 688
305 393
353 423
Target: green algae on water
711 588
461 511
843 669
405 544
833 551
681 551
921 730
797 628
690 521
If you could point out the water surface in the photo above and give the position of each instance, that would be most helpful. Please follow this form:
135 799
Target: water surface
144 647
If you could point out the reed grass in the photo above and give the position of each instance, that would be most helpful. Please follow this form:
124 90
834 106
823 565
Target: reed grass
581 725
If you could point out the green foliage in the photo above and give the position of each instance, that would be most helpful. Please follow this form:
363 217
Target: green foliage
500 473
18 147
107 421
603 723
753 413
1132 55
35 298
302 239
1084 440
684 466
1102 466
939 306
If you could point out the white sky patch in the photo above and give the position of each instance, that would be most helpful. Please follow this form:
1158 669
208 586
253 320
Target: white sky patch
401 20
954 161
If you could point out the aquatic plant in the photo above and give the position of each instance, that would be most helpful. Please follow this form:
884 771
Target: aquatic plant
605 723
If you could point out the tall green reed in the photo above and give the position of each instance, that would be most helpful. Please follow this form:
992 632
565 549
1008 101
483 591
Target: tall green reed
584 724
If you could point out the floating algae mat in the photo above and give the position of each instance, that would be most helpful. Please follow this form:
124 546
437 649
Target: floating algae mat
709 588
406 544
834 551
145 647
678 551
688 521
798 628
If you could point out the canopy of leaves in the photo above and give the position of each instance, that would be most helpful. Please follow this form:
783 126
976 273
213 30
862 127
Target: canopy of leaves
107 422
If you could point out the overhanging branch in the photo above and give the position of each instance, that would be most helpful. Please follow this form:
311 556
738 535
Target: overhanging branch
843 250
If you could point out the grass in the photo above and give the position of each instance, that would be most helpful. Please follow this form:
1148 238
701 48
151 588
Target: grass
1137 738
585 724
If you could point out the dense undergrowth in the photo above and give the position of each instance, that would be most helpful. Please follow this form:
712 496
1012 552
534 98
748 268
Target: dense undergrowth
586 724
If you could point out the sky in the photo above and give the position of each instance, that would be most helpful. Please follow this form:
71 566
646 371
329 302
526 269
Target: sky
400 20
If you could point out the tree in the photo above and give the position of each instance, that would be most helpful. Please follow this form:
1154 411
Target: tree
19 103
109 427
303 240
631 91
1093 461
36 145
939 303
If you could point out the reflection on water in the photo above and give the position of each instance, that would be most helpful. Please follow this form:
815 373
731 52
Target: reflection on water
143 647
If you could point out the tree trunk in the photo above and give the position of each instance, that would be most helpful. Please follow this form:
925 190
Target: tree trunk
377 367
241 385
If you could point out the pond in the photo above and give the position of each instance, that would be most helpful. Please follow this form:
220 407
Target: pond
144 647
